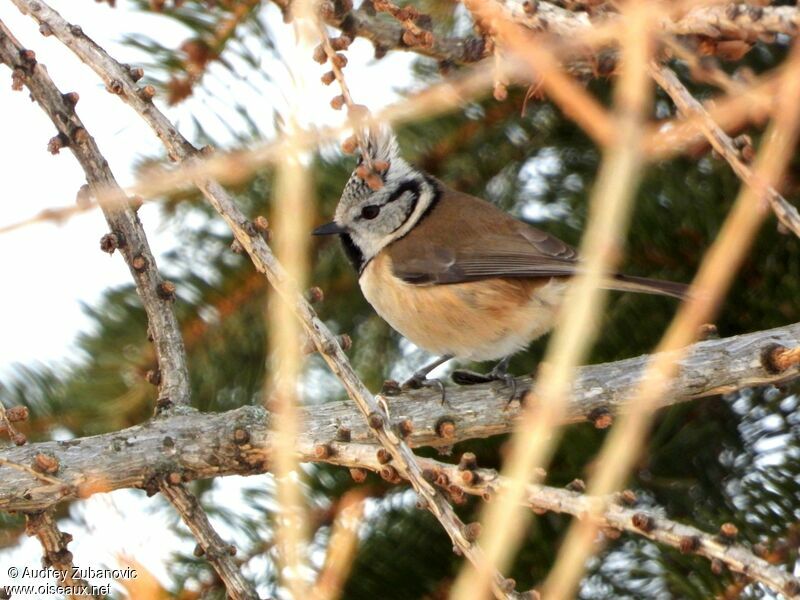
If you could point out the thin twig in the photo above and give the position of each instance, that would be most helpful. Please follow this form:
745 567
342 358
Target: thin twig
292 199
607 512
342 546
355 116
210 544
43 525
179 148
708 288
753 104
647 522
723 144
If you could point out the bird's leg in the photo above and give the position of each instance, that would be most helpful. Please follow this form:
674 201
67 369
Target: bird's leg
498 373
420 377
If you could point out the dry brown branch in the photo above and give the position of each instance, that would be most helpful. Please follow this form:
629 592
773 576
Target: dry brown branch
752 105
708 288
292 199
533 442
179 148
342 547
210 544
211 445
723 144
738 21
56 555
545 70
128 236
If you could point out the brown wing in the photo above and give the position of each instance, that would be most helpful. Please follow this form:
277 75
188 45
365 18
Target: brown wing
464 238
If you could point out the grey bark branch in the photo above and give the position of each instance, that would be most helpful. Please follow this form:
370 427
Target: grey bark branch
128 235
242 443
43 525
120 80
196 446
218 553
723 144
647 522
129 238
734 21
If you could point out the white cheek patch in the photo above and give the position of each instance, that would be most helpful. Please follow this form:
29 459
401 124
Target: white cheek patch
424 201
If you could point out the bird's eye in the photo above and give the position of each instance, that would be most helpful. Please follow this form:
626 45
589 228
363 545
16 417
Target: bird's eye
370 211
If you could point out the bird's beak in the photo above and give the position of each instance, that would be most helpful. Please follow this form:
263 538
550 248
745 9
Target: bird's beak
329 229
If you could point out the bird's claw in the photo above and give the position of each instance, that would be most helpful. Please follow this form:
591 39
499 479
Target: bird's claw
418 381
462 377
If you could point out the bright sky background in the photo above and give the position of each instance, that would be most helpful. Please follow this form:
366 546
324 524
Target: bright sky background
50 270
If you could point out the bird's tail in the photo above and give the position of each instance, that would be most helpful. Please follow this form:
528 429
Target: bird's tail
644 285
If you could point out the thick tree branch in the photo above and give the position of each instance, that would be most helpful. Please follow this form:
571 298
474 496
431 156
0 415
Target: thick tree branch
243 443
127 235
387 34
737 21
723 144
186 445
119 79
721 22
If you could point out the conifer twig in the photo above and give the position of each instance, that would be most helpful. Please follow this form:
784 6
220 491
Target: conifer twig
126 233
43 525
723 144
618 512
209 542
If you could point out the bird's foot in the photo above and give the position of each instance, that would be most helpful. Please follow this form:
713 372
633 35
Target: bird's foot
420 380
498 373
